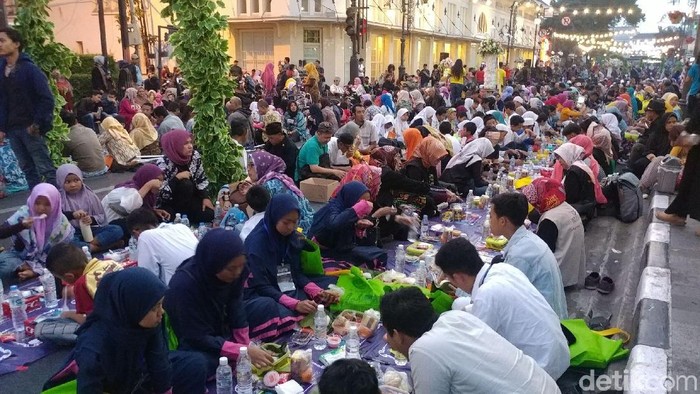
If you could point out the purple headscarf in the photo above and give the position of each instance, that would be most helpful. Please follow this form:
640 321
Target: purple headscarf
172 143
43 227
143 175
84 199
269 166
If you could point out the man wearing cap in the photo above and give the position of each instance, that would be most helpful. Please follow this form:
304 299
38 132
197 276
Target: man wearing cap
280 145
650 125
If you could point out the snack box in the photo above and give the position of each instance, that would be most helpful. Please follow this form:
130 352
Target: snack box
318 189
418 248
366 324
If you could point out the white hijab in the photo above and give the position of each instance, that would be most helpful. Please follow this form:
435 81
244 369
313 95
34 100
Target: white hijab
572 155
378 122
479 125
472 152
510 135
468 106
425 114
400 125
610 122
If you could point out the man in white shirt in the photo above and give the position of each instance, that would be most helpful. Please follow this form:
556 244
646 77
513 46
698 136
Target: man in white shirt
456 353
504 298
369 135
161 248
338 149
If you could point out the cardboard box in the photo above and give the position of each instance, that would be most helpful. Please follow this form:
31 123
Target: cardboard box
318 189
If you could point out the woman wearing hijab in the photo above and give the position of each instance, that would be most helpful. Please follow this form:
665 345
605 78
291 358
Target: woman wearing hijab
185 187
417 101
578 180
329 114
312 81
144 135
602 145
35 228
101 78
357 88
267 170
387 107
295 122
206 304
671 101
401 123
119 144
128 107
269 80
274 249
122 347
465 169
658 144
82 206
403 101
427 115
560 227
337 225
425 163
412 138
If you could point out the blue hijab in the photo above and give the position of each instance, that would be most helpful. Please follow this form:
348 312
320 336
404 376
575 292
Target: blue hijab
112 345
507 92
348 196
388 103
266 237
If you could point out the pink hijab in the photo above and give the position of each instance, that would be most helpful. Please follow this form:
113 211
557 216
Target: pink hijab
43 227
587 144
268 77
172 143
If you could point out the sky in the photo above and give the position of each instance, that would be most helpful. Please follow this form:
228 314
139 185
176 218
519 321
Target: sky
655 11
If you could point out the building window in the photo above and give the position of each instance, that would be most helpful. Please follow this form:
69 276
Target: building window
242 6
304 5
483 26
312 45
317 5
267 5
377 53
255 6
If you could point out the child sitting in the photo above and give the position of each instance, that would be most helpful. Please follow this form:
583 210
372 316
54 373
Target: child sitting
258 198
68 263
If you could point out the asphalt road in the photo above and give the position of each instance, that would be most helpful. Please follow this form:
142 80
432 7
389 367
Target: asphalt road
613 249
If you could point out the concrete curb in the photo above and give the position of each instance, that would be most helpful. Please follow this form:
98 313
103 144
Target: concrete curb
647 365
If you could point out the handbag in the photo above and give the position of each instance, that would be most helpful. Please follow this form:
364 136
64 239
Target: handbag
592 349
311 263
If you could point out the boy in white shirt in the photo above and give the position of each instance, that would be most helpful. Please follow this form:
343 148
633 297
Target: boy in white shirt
257 199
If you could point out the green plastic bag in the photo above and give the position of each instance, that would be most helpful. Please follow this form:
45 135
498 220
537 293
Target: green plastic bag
70 387
592 350
441 301
360 294
173 342
311 263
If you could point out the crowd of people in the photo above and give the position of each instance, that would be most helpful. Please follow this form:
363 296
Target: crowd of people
400 147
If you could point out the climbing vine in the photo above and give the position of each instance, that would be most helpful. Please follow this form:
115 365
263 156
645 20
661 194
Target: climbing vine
32 21
202 57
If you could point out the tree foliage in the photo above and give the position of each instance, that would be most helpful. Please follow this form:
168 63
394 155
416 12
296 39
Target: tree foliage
32 21
202 56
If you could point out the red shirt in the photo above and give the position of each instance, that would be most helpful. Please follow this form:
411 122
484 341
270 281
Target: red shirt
480 77
83 302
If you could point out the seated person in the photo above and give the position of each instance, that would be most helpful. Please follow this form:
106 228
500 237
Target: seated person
83 146
336 226
579 180
658 144
122 347
35 228
340 150
204 301
457 352
425 165
560 227
274 257
258 198
68 263
295 122
526 251
82 206
280 145
161 247
89 111
504 298
118 143
185 187
313 160
465 169
523 137
144 135
348 376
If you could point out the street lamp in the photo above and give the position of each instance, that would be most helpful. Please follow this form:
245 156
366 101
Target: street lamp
538 21
513 8
406 21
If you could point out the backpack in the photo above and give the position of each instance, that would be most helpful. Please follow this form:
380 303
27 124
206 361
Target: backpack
629 198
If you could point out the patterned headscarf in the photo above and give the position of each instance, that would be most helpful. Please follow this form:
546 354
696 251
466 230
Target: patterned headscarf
388 156
545 194
430 151
370 176
268 166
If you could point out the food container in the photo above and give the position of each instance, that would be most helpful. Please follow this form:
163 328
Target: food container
458 212
418 248
333 341
344 319
301 369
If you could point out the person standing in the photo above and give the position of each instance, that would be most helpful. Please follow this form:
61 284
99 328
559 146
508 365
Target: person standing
26 109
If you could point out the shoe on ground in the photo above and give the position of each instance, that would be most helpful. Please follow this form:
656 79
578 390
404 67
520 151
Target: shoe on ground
606 285
592 281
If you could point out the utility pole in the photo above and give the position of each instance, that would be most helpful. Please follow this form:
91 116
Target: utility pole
103 33
3 15
124 26
351 28
404 27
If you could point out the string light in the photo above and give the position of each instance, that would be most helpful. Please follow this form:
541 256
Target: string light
596 11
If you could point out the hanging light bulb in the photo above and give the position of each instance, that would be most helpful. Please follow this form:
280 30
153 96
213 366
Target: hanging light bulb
575 12
609 11
630 11
597 12
620 10
586 10
562 9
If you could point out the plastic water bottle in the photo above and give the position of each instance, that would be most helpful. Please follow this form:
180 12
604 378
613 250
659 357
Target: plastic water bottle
512 164
424 228
224 376
2 296
178 219
244 373
486 227
320 328
87 253
400 259
185 221
470 199
352 343
49 284
202 230
530 155
239 215
413 230
18 308
421 274
489 191
218 212
133 249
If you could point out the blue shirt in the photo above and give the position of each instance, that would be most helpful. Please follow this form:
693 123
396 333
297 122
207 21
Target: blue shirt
694 74
531 255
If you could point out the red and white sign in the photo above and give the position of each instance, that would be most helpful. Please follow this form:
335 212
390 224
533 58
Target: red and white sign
565 21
